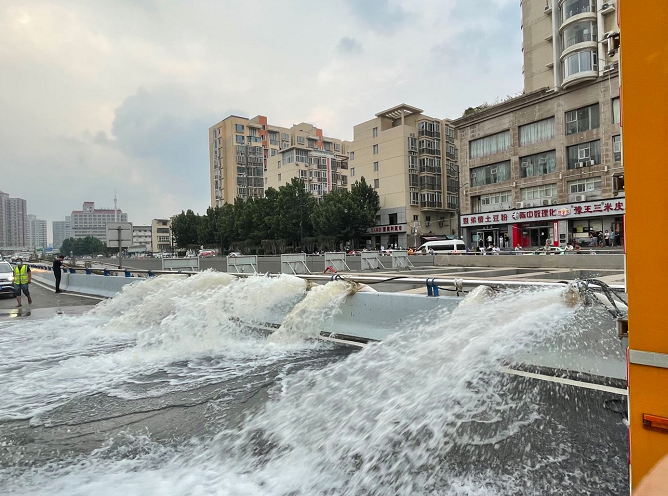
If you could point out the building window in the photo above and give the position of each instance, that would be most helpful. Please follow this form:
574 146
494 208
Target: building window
579 33
328 146
302 156
352 155
416 218
279 164
490 174
240 128
585 185
273 152
615 110
538 192
412 162
301 140
376 183
617 148
375 166
582 119
239 138
375 149
412 144
285 136
538 164
279 176
575 7
580 62
492 201
415 200
584 154
537 132
375 132
288 157
352 171
489 145
392 218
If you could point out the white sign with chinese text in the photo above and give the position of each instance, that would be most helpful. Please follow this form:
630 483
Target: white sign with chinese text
596 208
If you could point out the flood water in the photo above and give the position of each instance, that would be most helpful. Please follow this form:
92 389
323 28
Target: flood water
168 389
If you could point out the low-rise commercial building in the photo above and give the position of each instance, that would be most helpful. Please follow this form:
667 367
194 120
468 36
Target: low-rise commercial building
543 167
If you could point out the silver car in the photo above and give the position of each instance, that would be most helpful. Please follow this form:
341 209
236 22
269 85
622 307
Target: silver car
6 279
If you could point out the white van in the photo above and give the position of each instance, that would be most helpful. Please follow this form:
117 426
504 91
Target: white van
444 246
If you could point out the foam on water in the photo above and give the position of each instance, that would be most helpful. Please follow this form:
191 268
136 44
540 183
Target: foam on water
389 420
170 324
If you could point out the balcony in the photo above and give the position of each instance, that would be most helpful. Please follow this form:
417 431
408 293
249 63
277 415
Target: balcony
431 204
431 134
430 151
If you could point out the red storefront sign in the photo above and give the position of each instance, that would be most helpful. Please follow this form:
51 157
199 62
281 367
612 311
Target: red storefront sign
557 212
399 228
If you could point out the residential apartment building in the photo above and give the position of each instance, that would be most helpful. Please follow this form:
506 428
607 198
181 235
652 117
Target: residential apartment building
321 162
240 150
90 221
543 167
567 42
61 232
411 161
14 225
36 232
142 238
161 235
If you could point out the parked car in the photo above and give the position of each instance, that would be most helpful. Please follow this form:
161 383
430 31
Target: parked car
234 254
206 253
6 279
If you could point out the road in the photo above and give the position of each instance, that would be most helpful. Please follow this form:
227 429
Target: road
45 303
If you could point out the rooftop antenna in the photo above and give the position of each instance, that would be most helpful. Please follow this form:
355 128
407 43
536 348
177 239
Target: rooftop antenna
115 209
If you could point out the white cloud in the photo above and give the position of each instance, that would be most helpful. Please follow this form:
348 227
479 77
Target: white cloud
104 96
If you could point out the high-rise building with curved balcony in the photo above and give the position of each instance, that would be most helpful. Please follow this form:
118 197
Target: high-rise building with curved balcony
565 42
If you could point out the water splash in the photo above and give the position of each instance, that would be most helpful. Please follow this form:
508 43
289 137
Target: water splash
405 416
173 325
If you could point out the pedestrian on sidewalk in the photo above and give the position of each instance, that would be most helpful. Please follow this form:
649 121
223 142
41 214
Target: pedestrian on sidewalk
57 271
22 279
607 238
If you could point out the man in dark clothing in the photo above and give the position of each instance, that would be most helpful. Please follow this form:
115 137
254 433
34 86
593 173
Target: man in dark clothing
57 271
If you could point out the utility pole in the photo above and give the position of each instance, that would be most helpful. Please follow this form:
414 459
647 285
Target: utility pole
115 210
120 245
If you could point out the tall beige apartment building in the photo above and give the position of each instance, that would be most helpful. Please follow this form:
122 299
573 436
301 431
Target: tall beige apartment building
567 42
248 155
321 162
411 161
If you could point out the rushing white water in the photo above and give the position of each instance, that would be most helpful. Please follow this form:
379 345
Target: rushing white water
186 328
393 419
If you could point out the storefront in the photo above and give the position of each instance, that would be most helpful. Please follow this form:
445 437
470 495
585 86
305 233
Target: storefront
386 236
555 225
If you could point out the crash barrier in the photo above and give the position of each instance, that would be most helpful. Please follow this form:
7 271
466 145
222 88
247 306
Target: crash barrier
246 264
400 259
82 282
336 260
294 263
180 263
370 260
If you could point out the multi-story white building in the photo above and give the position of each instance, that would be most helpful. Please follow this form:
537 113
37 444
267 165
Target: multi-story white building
90 221
36 232
61 232
142 237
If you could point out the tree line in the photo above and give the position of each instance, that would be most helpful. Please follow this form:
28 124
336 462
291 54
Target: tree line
89 245
284 220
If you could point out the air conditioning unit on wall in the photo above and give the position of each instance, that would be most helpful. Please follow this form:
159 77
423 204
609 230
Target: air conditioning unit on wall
579 198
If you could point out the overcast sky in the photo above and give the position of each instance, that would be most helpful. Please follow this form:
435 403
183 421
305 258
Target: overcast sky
97 96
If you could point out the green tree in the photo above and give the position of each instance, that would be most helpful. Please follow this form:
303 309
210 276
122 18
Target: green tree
185 229
295 206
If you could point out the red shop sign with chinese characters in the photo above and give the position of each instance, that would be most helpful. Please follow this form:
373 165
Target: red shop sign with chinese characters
597 208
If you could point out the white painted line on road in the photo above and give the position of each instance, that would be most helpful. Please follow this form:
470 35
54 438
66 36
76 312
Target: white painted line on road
569 382
99 298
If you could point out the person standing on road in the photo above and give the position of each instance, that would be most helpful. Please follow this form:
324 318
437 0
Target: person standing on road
22 279
57 271
607 238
